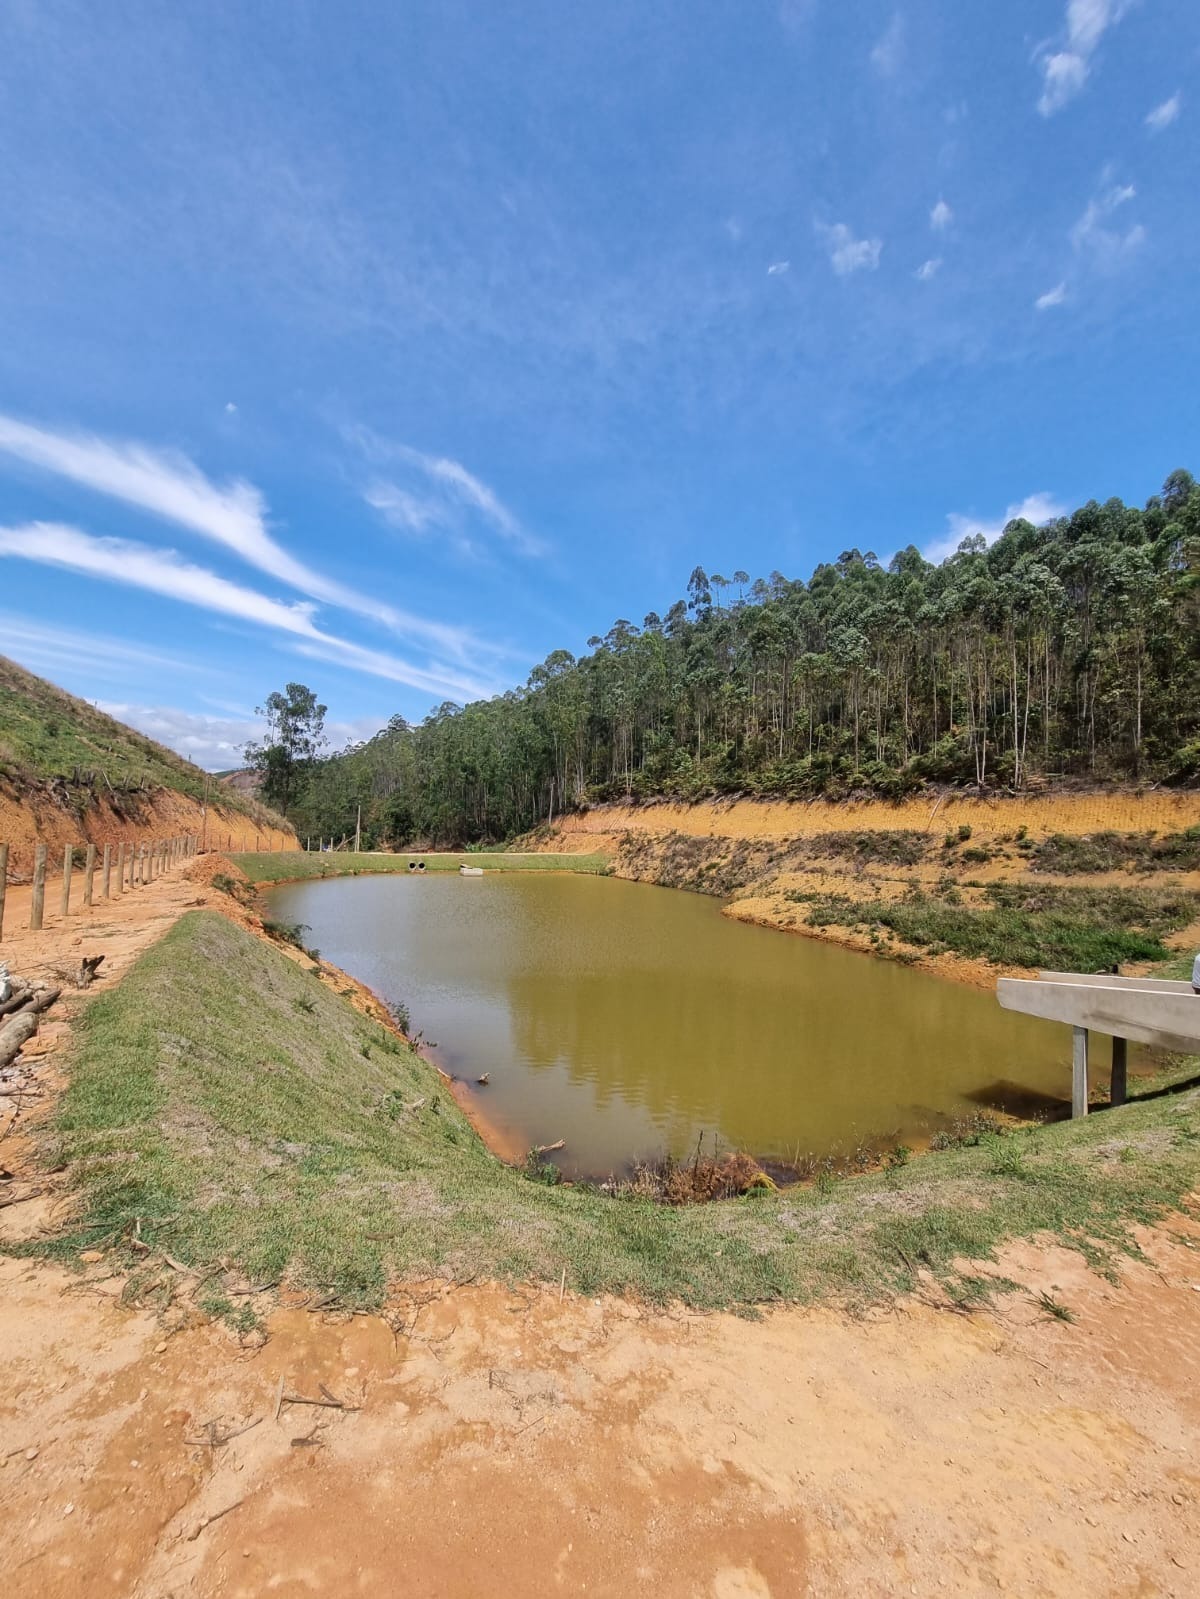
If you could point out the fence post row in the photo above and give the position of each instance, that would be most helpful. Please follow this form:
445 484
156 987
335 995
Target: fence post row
121 866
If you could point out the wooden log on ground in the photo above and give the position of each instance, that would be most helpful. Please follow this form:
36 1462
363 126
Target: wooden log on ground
19 1029
15 1034
22 993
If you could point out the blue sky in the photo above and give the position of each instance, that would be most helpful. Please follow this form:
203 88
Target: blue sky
391 347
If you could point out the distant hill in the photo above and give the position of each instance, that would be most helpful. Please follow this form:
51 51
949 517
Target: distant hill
243 781
60 751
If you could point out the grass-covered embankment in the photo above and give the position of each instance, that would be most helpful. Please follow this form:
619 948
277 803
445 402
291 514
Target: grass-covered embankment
292 866
228 1108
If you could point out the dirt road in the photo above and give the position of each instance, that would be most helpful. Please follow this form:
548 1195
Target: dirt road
502 1441
505 1442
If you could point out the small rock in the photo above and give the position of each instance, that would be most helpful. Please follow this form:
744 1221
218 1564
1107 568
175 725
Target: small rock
161 1349
1178 1498
91 1256
31 1454
68 1510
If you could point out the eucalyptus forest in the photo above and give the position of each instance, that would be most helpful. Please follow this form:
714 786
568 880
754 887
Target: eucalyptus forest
1069 651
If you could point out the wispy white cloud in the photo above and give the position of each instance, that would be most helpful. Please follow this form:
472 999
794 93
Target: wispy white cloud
929 269
777 268
1163 115
42 646
170 486
887 56
1036 508
450 496
846 253
1094 237
168 573
1051 298
941 217
1065 64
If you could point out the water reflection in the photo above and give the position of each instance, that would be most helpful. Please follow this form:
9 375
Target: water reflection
628 1019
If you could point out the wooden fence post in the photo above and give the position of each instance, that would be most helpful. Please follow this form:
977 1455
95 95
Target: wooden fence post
65 907
120 874
89 872
39 888
106 873
3 883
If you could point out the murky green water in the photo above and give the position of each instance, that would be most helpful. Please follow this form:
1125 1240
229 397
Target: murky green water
629 1019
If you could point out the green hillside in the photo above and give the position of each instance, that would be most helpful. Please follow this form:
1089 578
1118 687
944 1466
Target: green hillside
48 738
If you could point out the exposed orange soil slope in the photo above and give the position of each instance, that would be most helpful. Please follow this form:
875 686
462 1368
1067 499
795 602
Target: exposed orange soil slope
753 853
27 821
1120 811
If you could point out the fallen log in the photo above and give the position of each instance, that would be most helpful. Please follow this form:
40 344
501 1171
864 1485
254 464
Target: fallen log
21 991
20 1028
15 1034
41 999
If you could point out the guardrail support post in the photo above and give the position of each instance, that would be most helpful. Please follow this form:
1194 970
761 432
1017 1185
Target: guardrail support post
89 873
66 882
1118 1091
1079 1073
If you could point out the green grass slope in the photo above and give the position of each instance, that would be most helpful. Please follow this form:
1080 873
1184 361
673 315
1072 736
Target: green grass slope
293 866
230 1109
48 736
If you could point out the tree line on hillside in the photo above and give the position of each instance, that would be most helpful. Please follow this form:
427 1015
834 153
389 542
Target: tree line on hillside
1065 651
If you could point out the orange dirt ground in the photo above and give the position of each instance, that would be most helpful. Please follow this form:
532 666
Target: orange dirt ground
506 1439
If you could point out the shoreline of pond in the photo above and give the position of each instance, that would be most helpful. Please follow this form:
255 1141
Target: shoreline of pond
873 1153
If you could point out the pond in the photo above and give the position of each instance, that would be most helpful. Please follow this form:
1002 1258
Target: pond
631 1020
